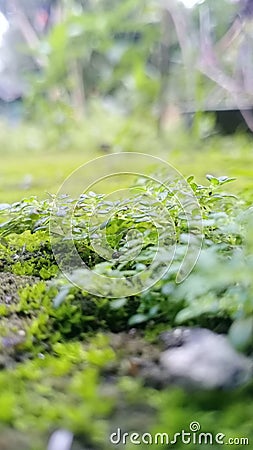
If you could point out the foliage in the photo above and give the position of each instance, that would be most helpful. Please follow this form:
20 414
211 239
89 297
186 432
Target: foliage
128 56
68 374
219 288
101 48
61 365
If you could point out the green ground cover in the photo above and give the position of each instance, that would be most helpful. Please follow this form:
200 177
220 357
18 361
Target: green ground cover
66 354
36 161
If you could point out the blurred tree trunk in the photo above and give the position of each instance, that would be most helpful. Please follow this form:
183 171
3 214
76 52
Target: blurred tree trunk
27 30
164 65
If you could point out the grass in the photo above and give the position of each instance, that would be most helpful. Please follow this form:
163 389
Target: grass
39 164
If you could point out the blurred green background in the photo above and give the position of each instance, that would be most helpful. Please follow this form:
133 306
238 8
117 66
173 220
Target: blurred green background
79 79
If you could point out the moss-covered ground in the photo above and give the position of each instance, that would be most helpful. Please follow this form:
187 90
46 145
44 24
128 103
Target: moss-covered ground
72 366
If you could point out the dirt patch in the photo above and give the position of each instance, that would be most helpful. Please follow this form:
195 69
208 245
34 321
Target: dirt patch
10 285
12 326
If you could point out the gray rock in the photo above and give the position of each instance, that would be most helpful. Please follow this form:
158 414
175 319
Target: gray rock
60 440
197 357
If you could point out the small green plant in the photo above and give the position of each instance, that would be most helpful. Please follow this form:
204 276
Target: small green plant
68 374
26 250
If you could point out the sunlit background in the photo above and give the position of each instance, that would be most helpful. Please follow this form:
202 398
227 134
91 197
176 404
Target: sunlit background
191 3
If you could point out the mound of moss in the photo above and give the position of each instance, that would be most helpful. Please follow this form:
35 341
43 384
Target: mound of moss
67 355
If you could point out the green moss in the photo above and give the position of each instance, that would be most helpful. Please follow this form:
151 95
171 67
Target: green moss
28 242
60 371
70 388
58 391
